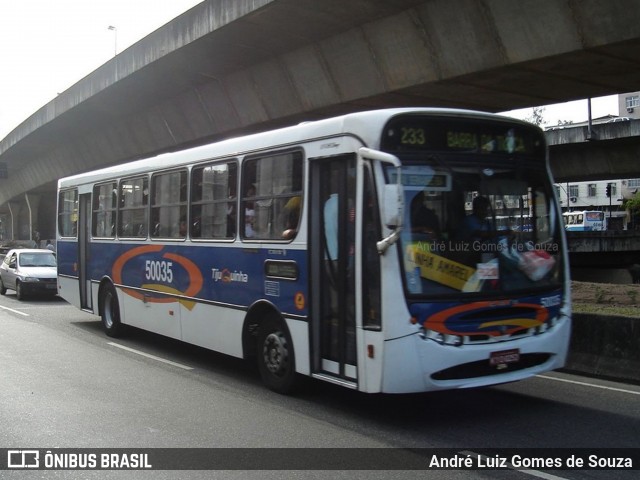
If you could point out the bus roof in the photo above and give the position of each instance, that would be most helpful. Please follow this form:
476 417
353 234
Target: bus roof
357 124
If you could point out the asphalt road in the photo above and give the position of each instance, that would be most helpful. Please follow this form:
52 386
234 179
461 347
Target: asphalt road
64 384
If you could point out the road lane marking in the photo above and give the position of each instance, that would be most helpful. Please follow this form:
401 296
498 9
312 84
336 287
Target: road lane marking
47 306
15 311
132 350
613 389
527 471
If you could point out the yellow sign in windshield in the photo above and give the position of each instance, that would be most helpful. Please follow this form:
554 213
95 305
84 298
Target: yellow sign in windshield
435 267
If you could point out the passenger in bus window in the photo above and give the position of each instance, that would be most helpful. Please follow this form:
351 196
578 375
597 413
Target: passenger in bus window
249 215
196 228
182 228
231 220
291 213
331 226
478 225
423 219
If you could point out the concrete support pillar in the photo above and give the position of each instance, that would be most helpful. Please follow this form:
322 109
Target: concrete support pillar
32 201
6 229
13 229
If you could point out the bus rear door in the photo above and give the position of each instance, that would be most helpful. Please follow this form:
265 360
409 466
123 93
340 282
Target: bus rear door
84 235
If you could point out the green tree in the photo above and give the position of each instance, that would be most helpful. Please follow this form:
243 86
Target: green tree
632 204
537 116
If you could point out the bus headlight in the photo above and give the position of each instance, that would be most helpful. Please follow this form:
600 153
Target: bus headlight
441 338
546 326
541 328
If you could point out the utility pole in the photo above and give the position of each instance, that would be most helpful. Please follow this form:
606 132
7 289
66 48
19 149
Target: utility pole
608 191
590 134
115 39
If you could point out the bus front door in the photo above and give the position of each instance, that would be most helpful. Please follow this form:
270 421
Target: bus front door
333 216
84 234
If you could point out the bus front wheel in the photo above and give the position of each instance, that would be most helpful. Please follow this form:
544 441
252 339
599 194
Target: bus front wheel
111 312
276 361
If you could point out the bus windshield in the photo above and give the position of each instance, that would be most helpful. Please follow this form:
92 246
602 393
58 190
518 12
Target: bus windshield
472 227
480 214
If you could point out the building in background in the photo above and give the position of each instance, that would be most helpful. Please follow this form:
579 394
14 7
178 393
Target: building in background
629 104
604 195
592 195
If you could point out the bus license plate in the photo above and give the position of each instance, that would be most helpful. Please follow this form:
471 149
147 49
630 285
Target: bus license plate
496 359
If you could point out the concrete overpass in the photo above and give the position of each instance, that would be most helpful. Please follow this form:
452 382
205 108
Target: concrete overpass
607 151
232 66
611 249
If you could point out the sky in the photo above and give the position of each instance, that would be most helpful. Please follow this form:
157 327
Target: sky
46 46
575 111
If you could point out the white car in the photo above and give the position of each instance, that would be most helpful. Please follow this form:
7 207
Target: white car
29 271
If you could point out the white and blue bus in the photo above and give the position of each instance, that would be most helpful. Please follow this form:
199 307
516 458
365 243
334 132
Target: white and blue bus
333 249
584 221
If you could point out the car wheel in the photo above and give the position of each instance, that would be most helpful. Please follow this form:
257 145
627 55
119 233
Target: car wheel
19 291
3 289
110 312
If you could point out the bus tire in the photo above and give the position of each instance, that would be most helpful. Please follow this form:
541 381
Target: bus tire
276 360
110 312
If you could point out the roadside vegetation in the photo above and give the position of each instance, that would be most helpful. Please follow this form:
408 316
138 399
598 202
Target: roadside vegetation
606 299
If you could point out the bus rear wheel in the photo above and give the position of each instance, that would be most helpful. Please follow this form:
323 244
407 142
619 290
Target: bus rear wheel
110 313
276 361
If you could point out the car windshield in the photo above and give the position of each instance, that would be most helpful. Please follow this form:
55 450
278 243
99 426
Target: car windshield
44 259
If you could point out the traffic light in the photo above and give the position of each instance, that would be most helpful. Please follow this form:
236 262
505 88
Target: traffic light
609 190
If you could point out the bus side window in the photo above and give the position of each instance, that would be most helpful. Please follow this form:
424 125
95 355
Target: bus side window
169 204
271 196
105 204
132 209
68 213
213 201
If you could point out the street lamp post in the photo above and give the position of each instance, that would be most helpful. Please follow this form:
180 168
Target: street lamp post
115 39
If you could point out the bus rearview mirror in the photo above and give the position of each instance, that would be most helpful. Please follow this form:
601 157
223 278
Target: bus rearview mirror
392 206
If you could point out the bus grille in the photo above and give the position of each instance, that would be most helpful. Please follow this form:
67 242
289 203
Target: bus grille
482 368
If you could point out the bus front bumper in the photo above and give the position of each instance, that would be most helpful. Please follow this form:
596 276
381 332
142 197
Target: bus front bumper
427 365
